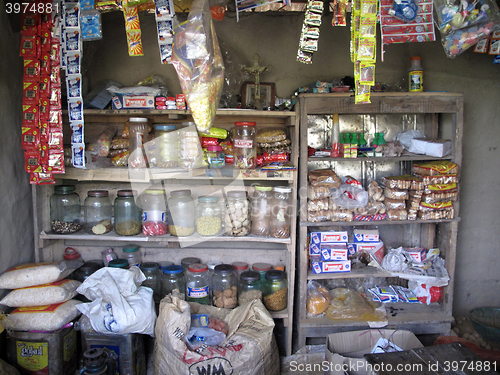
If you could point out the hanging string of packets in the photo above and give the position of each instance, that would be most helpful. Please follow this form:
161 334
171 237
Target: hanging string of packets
310 32
164 25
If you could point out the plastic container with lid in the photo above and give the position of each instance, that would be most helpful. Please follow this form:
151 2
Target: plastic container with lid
182 212
65 210
215 157
97 212
186 262
173 281
224 285
275 290
262 268
249 287
240 267
132 254
119 263
166 146
281 212
261 211
245 150
108 255
87 269
128 217
237 213
71 254
198 284
138 130
208 216
153 278
154 213
211 267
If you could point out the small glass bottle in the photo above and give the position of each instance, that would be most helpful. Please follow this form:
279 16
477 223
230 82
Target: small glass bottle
65 210
415 75
208 216
198 284
166 146
245 151
173 282
224 285
275 290
132 254
281 212
97 212
119 263
182 212
238 213
153 278
186 262
138 131
249 287
240 267
154 213
108 255
127 214
261 211
262 268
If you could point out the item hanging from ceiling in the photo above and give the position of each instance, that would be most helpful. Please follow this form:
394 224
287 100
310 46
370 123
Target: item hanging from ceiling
309 36
133 30
164 16
243 5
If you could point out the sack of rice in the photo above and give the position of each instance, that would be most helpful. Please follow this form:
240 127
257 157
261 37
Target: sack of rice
46 294
31 274
42 318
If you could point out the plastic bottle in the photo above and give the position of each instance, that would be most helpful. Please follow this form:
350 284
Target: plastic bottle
335 136
415 75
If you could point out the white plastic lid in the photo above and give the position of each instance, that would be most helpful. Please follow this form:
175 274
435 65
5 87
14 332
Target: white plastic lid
282 189
138 119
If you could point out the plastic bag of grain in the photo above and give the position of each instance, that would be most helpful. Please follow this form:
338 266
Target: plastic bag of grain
42 318
31 274
46 294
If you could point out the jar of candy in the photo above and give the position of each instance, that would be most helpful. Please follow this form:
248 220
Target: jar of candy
249 287
275 290
224 284
262 268
128 220
154 213
208 216
97 212
153 278
119 263
238 213
215 157
281 212
186 262
261 211
182 212
138 131
197 284
240 267
132 254
173 282
65 210
245 151
166 146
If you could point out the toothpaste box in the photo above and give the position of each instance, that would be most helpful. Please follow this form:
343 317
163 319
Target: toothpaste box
417 254
331 252
366 235
331 267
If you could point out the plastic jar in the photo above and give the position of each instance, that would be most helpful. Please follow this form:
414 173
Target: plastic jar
65 210
281 212
245 151
132 254
154 213
128 220
153 278
224 284
182 212
261 211
275 290
87 269
238 213
215 157
138 130
173 282
97 212
119 263
262 268
240 267
108 255
249 287
186 262
197 284
208 216
166 146
189 146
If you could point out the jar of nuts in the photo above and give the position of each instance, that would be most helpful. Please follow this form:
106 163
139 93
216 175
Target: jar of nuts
208 216
281 211
275 290
224 286
65 210
182 212
238 213
249 287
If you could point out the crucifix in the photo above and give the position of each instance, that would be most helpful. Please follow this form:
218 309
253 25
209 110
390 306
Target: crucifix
256 70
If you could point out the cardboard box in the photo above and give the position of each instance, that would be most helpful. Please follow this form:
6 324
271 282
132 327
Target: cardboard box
437 148
331 267
345 350
133 102
416 253
331 252
328 237
365 235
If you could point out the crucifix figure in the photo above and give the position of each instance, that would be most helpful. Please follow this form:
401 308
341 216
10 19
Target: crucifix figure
256 70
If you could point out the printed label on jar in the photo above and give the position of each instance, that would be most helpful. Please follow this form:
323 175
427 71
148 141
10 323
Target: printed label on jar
243 143
197 292
154 216
281 214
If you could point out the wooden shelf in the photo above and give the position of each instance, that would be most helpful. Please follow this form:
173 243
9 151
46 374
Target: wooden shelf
355 273
374 223
382 158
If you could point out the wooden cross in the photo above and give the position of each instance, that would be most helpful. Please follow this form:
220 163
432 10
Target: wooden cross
256 70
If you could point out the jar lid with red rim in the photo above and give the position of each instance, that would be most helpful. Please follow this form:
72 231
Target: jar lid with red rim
126 193
71 254
198 267
240 266
262 267
245 123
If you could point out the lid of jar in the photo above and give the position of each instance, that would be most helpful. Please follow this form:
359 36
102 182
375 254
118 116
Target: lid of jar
130 248
174 268
282 189
180 193
71 254
250 276
154 191
126 193
263 188
190 260
240 266
138 119
214 148
414 58
198 267
165 263
245 123
97 193
261 267
88 267
237 194
279 267
149 266
118 263
165 127
64 188
223 269
212 265
275 275
208 198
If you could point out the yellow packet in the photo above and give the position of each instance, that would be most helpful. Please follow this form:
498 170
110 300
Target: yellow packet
368 25
369 7
367 49
362 93
367 73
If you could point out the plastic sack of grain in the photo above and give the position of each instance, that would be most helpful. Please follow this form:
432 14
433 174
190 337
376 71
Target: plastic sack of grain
42 318
46 294
32 274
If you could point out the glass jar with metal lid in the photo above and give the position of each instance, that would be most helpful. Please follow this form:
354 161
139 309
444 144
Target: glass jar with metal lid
238 213
245 150
118 263
173 281
182 212
127 214
65 210
240 267
208 216
249 287
138 130
153 278
275 290
166 146
261 211
154 213
198 284
281 212
224 284
97 212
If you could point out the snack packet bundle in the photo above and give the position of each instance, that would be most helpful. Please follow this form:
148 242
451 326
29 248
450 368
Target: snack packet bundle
310 32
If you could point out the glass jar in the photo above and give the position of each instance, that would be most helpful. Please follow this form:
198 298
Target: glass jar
211 267
153 278
215 157
65 210
166 146
208 216
275 290
249 287
245 151
238 213
154 213
186 262
173 282
197 284
108 255
127 214
224 284
261 211
182 212
87 269
138 131
97 212
240 267
281 212
132 254
118 263
262 268
189 146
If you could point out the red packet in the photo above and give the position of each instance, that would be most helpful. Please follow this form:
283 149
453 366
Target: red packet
44 108
30 93
31 115
44 131
30 23
30 138
45 65
32 161
39 178
55 97
44 153
55 118
28 46
56 140
45 40
56 163
31 70
44 86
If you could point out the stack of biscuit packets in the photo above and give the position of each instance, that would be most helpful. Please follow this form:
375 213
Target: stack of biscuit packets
310 32
164 25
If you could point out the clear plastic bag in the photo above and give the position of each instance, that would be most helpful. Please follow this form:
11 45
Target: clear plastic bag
318 298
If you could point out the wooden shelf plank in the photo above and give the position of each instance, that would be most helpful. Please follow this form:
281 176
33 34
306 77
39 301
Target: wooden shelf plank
376 222
355 273
382 158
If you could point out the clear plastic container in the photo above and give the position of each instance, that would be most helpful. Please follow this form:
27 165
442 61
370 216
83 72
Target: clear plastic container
173 281
118 263
238 213
275 290
215 157
262 268
182 212
245 151
208 216
198 284
108 255
153 278
97 212
224 284
138 131
249 287
186 262
132 254
166 146
281 212
240 267
65 210
261 211
128 220
189 146
154 213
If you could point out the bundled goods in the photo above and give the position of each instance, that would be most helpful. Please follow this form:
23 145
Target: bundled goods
320 203
392 293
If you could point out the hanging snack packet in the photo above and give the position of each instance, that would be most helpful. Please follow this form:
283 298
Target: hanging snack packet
133 30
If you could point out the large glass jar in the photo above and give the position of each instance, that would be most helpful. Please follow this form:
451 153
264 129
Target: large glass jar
261 211
208 216
249 287
132 254
182 212
245 151
281 212
224 285
97 212
240 267
275 290
127 214
186 262
153 278
65 210
174 282
197 284
166 146
238 213
154 213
